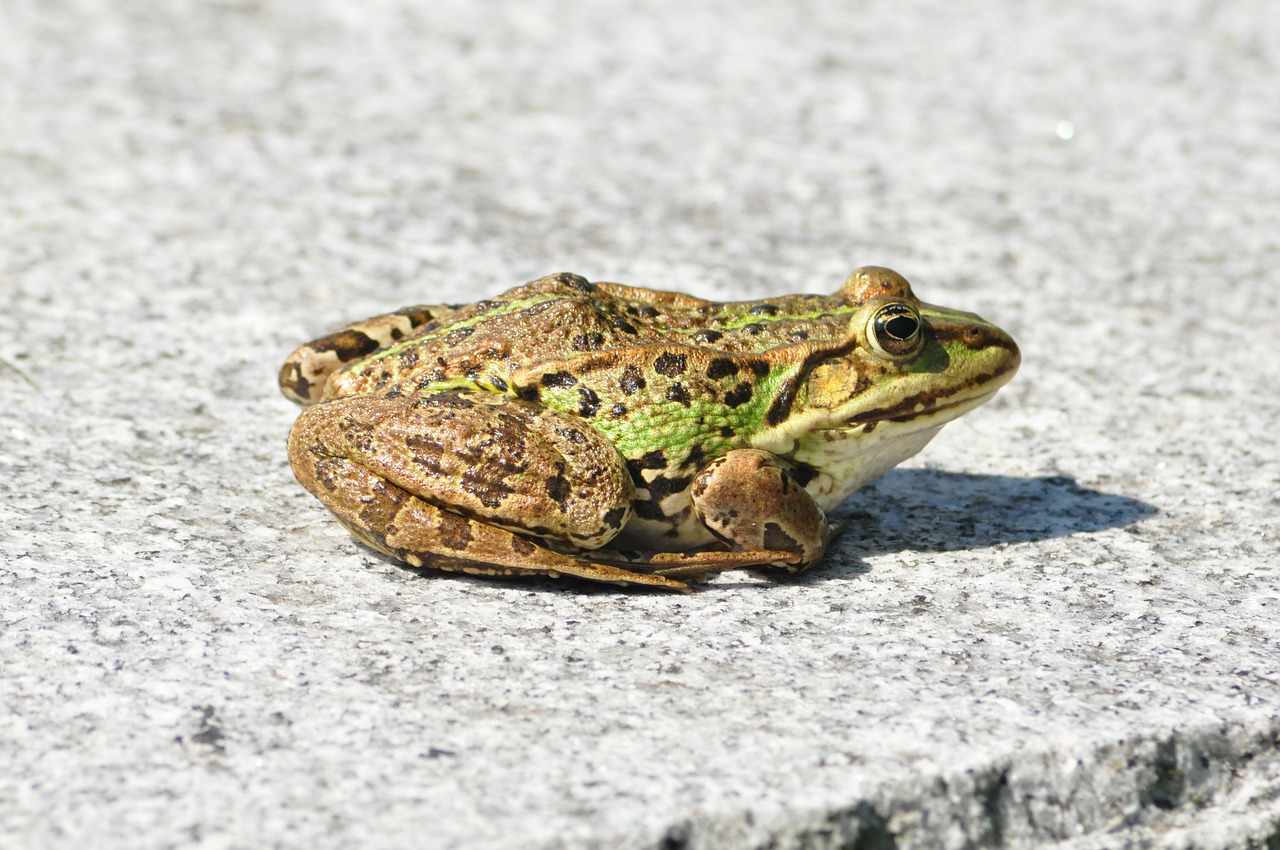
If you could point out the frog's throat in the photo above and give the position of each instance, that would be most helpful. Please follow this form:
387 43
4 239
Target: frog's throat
850 455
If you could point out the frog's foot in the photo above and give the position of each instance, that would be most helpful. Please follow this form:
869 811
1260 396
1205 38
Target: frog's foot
695 564
304 374
747 499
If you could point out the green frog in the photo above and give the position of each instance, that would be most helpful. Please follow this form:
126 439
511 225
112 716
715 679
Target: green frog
627 435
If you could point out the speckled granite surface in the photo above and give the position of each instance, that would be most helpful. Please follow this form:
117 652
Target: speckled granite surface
1061 623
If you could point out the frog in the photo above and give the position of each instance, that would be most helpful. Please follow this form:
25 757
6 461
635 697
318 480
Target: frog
627 435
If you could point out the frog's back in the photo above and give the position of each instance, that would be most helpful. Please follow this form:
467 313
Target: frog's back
487 344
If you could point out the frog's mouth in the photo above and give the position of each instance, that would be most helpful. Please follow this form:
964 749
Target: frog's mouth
926 410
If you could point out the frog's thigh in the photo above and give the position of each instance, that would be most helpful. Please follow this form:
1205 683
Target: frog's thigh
747 498
504 462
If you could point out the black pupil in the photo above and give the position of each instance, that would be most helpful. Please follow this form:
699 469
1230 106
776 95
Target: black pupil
901 327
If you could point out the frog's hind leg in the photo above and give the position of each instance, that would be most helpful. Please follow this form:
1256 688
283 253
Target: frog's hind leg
465 481
425 536
304 373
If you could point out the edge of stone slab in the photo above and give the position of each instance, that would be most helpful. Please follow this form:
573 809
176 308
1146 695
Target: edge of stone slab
1209 785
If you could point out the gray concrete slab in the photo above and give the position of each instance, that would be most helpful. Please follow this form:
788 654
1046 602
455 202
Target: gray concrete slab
1058 624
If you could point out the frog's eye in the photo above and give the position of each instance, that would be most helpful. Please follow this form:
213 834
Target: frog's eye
895 330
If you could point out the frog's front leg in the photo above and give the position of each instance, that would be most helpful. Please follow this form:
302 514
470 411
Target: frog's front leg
747 498
466 481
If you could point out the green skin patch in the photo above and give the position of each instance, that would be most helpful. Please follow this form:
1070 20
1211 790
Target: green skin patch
654 423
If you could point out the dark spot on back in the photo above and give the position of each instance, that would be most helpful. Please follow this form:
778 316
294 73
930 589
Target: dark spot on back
671 365
754 328
558 379
626 327
679 394
721 367
764 310
708 336
632 381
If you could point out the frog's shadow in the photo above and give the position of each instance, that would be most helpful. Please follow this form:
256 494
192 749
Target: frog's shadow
930 510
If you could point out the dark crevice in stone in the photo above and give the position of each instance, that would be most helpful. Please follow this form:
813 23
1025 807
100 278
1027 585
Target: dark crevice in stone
676 837
859 828
993 791
1169 782
873 832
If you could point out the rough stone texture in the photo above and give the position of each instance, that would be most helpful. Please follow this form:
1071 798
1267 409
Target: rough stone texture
1060 624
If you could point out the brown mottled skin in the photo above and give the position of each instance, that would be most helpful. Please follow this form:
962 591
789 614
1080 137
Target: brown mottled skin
627 435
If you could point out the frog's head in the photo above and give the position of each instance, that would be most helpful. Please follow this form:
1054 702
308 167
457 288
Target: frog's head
906 369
